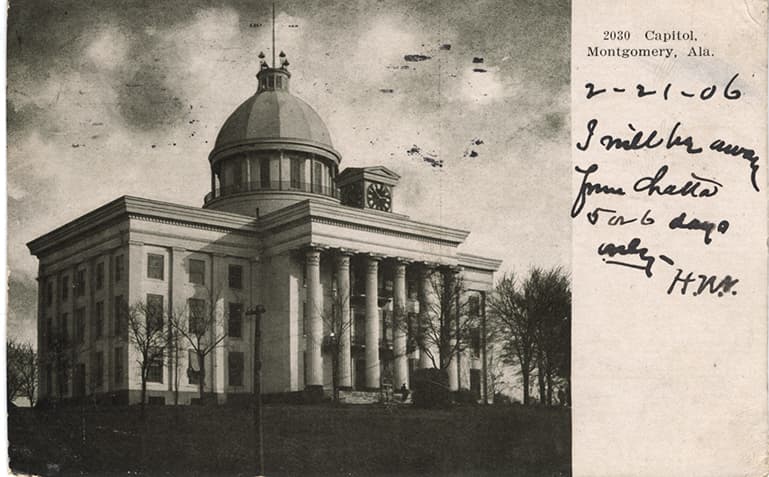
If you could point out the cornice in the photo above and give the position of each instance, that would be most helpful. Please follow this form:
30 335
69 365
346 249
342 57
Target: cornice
478 262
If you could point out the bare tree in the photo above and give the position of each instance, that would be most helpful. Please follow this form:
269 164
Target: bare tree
202 327
495 371
59 359
515 327
549 298
22 371
176 346
443 328
147 334
533 322
337 328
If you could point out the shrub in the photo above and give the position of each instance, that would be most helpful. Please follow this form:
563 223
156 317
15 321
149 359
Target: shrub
431 388
465 396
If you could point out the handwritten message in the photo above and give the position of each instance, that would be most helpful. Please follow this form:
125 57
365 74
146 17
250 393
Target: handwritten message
669 181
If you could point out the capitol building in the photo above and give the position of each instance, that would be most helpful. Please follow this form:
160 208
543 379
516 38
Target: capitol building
282 227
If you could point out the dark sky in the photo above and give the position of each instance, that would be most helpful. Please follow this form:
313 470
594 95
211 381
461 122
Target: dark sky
93 86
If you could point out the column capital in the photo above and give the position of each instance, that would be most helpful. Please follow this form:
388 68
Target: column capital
372 264
399 269
313 256
374 257
344 252
342 260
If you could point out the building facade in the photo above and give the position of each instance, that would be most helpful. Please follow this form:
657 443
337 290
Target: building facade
281 227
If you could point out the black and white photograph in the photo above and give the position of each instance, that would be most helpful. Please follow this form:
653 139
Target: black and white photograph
289 238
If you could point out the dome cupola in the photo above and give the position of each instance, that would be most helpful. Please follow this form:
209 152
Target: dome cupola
273 150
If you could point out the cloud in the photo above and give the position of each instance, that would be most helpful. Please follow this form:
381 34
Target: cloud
109 48
483 88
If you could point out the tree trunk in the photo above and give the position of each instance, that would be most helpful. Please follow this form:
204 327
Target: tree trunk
201 376
549 378
541 378
176 373
525 374
144 392
335 374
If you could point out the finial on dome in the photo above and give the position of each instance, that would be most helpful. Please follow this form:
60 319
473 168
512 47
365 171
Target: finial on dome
283 60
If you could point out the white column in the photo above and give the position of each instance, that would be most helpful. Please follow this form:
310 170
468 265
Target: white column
425 303
343 291
401 365
314 321
372 323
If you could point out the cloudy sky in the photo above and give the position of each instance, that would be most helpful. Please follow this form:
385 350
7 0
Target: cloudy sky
113 98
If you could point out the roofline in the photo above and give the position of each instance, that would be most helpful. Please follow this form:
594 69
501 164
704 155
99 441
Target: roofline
125 206
345 214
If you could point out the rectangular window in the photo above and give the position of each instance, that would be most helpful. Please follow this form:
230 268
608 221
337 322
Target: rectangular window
49 331
154 313
63 377
296 172
98 369
64 288
98 322
235 276
264 173
317 178
475 341
197 271
155 367
197 319
235 320
118 366
474 306
118 268
193 367
99 275
155 266
237 174
118 315
235 367
80 283
64 331
80 325
475 382
49 293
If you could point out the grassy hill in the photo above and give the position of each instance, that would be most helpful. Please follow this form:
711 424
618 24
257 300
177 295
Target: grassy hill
305 440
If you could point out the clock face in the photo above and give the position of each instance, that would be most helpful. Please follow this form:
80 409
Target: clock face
378 197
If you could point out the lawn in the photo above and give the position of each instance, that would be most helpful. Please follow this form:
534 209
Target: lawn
309 440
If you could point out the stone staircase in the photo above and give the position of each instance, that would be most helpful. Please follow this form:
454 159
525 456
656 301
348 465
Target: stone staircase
368 397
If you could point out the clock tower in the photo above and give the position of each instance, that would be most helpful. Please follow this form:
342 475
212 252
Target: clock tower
368 187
